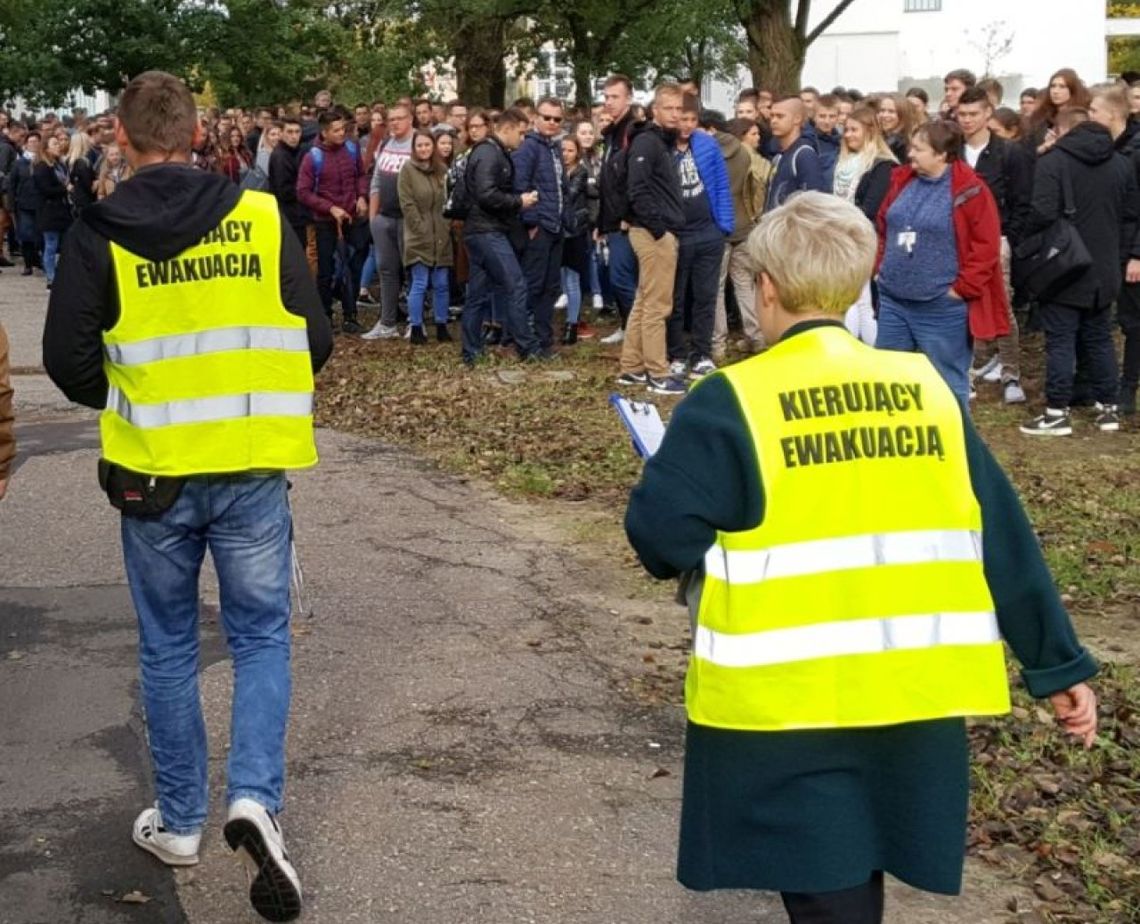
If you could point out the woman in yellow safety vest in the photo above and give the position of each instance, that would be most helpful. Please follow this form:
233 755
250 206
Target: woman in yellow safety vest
858 557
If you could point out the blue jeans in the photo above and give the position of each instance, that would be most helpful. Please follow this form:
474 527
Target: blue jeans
623 272
368 274
541 264
938 328
572 289
51 253
595 276
440 292
494 269
245 522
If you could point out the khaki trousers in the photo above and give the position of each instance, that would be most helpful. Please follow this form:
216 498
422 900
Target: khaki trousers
737 266
644 348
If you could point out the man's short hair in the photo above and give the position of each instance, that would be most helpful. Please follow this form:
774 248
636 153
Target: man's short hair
690 104
973 95
1031 92
158 114
812 90
524 102
667 89
919 93
326 117
1069 117
453 105
551 101
992 85
827 101
962 76
712 118
512 116
1115 98
748 95
422 101
817 249
614 79
290 120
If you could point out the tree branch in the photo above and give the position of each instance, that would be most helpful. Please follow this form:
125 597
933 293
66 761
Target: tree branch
803 10
839 10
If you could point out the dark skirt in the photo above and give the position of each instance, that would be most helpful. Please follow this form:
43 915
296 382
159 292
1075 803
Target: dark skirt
818 811
576 256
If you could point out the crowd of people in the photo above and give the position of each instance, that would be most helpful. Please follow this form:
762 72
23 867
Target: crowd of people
506 217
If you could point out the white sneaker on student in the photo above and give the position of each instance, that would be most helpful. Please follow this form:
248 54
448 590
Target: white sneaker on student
254 835
562 301
381 331
598 303
172 849
616 337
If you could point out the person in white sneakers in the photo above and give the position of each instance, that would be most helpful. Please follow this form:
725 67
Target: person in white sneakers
136 327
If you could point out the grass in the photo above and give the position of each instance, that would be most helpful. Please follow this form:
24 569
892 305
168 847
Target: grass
1063 819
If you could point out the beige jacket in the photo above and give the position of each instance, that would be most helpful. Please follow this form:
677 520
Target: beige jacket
7 438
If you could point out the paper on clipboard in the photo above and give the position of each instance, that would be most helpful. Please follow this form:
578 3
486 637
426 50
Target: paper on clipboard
643 422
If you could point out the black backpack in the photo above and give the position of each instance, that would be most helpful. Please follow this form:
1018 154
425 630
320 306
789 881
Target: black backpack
458 204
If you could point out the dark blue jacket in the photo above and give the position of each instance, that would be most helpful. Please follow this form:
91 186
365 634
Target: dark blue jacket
714 174
538 166
797 169
828 148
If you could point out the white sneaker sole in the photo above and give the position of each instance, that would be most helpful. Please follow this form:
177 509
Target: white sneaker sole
273 892
1059 431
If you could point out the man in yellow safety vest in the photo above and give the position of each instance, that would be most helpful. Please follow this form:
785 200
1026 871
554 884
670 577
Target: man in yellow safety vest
858 556
187 316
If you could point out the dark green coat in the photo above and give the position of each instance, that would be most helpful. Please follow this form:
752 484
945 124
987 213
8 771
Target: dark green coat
816 811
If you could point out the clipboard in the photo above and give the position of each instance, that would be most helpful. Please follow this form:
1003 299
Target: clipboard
643 422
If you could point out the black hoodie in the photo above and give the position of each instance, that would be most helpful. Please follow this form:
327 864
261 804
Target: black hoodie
158 213
654 185
1107 203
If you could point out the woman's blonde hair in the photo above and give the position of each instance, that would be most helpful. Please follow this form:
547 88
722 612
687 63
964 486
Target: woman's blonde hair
817 249
78 148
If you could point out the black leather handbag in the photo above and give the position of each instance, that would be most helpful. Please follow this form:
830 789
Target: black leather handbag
1049 260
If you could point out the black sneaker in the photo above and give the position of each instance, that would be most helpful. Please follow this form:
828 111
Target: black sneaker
352 326
541 355
1107 420
1052 423
441 333
493 336
417 334
27 271
666 386
570 335
632 378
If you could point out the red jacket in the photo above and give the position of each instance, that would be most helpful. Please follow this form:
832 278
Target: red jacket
343 180
977 230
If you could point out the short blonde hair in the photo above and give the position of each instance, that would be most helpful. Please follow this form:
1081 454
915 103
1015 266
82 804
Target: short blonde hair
817 249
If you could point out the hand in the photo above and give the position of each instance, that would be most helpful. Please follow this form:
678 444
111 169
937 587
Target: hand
625 226
1132 271
598 236
361 207
3 487
1076 711
529 199
338 214
533 232
953 293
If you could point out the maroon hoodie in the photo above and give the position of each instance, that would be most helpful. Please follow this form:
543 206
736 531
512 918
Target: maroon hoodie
341 182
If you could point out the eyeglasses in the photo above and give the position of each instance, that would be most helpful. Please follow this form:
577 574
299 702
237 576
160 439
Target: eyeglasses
556 119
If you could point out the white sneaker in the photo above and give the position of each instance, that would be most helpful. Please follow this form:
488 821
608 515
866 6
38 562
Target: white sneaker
1013 392
171 849
703 367
381 331
616 337
985 371
254 835
677 368
994 375
598 303
562 301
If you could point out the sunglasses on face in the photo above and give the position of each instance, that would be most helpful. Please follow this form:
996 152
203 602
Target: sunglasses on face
556 119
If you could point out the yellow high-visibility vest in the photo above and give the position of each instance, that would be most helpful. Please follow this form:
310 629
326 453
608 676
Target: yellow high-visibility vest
860 599
208 372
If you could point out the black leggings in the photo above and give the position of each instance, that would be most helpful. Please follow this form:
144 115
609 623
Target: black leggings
860 905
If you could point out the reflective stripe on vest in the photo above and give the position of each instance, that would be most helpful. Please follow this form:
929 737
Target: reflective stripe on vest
208 370
860 599
821 555
204 410
208 341
860 636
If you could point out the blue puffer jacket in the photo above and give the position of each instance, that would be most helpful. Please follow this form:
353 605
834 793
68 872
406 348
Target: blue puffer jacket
538 166
714 174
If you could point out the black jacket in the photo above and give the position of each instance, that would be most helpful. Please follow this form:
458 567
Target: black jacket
872 188
576 208
284 163
8 157
53 210
82 178
1007 169
490 178
159 213
1107 208
24 195
612 179
654 186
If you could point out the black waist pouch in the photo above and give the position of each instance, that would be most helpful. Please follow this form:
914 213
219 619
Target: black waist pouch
138 495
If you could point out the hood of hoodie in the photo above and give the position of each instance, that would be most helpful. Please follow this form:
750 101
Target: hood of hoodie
1087 142
163 209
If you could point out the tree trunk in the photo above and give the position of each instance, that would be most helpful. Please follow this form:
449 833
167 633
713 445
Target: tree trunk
480 47
775 50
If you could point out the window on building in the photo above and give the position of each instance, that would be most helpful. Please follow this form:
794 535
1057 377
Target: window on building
922 6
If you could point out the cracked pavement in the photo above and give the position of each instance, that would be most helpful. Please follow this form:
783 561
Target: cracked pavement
464 748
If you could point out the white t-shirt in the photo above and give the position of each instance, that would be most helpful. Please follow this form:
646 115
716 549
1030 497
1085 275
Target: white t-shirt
972 153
